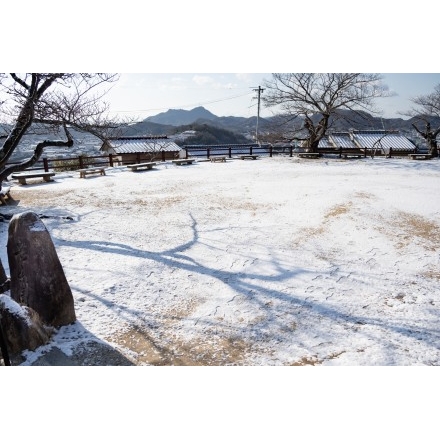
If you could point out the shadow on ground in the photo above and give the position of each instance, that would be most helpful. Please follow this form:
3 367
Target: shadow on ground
92 353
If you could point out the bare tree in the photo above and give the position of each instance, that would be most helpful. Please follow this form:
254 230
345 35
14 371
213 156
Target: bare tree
426 113
54 102
312 99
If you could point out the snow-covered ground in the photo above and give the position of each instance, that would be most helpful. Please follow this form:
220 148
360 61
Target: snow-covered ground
277 261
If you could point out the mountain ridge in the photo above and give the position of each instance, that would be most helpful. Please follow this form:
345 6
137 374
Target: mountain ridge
343 120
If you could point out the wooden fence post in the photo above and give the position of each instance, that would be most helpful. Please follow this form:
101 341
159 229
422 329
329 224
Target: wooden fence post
45 164
291 150
230 152
110 160
81 163
250 150
208 151
270 150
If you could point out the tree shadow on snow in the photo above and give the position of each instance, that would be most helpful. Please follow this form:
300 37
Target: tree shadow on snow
274 303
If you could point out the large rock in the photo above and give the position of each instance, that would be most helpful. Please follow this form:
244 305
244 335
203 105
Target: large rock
22 327
37 277
3 276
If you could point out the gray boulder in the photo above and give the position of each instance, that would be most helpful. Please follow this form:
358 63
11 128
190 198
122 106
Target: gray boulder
23 329
37 277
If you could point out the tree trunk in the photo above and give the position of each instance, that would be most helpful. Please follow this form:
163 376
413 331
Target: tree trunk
433 149
314 146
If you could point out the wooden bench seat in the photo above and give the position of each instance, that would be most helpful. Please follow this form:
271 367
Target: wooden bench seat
249 156
420 156
21 177
309 155
5 194
346 153
141 166
218 159
352 156
183 161
96 170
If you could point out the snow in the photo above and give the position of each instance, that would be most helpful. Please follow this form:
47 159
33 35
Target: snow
279 261
270 262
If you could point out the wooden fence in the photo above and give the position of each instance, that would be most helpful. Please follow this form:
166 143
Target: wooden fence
111 160
230 151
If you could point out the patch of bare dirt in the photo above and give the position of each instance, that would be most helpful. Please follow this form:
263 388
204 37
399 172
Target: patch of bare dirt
211 351
406 227
314 360
231 203
312 232
38 198
364 195
338 210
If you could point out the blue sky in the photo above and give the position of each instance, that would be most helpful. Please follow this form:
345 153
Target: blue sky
140 95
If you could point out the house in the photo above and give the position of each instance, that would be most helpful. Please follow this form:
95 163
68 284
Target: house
135 149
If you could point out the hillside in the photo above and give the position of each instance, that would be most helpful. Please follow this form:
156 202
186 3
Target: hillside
208 134
182 117
343 121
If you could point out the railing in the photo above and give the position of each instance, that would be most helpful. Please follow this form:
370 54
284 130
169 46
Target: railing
80 162
111 160
232 150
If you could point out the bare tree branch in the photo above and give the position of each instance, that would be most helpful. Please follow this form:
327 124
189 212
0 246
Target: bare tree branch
55 100
426 111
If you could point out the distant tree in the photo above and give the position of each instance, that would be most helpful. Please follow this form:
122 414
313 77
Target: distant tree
313 98
50 103
425 113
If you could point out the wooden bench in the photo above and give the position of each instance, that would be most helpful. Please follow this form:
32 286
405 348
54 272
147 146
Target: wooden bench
141 166
183 161
21 177
249 156
420 156
96 170
4 194
352 156
309 155
218 159
346 153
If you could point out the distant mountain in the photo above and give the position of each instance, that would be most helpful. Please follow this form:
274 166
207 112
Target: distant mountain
182 117
343 120
145 128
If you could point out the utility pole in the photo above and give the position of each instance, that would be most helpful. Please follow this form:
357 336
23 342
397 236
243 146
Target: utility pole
259 91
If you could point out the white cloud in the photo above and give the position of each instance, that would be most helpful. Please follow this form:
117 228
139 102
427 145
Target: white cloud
203 80
246 77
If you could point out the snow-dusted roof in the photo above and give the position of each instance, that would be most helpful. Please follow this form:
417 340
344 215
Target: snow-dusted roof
341 140
140 145
382 140
324 143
